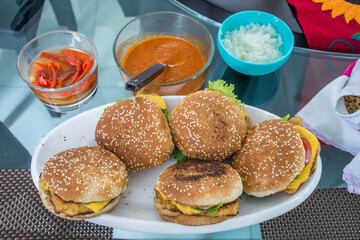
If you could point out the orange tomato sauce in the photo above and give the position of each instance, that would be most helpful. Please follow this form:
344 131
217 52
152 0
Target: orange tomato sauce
185 58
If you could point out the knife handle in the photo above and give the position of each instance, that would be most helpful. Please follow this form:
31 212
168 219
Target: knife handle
144 78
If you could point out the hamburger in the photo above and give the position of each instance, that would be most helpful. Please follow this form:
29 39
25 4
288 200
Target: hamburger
82 183
198 192
209 124
277 155
136 130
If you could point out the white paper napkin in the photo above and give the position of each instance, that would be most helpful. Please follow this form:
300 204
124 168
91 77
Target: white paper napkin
352 88
328 120
352 175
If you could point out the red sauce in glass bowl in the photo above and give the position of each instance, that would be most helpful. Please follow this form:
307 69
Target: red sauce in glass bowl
183 56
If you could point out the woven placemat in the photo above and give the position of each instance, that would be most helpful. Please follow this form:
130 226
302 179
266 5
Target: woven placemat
22 215
326 214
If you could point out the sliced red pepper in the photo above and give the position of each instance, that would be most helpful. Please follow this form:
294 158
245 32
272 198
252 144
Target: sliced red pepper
49 55
87 65
86 85
60 82
57 66
53 75
42 74
71 60
74 53
46 70
39 65
42 82
307 147
88 61
35 81
78 64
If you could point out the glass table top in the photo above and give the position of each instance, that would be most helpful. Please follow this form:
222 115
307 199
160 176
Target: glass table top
283 92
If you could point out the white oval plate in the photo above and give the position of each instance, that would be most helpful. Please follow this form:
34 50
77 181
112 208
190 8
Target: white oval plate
136 211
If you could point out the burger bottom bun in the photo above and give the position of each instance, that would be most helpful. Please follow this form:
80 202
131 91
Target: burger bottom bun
45 198
190 220
263 193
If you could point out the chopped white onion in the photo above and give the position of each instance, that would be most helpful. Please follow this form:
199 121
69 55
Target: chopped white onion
254 43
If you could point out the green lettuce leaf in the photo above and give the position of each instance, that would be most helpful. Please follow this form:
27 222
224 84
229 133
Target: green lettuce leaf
117 100
166 113
178 155
226 89
286 117
212 210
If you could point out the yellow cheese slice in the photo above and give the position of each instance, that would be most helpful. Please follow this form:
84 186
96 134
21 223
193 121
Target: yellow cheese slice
156 98
182 208
43 186
94 206
305 173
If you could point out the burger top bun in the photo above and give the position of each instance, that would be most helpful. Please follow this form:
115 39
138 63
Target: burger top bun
136 130
271 157
199 183
208 125
85 174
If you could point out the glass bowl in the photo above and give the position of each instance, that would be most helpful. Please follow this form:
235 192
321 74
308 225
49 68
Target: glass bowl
244 18
173 24
67 98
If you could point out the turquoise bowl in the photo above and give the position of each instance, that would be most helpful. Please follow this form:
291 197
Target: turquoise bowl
244 18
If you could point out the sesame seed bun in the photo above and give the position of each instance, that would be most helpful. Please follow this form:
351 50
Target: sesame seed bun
84 175
271 157
208 125
199 183
137 131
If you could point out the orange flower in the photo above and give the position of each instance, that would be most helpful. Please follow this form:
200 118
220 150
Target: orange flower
350 9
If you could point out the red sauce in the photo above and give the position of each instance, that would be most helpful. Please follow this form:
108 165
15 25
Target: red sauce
185 58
